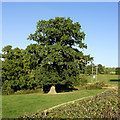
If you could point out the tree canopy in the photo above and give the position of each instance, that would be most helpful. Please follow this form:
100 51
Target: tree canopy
56 58
117 71
61 60
100 69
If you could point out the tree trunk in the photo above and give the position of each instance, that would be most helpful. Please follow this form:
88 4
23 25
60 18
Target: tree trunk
52 90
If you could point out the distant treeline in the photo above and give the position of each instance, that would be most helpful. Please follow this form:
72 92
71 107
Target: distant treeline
102 69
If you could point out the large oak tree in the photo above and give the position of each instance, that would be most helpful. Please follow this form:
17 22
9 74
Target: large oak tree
61 57
56 58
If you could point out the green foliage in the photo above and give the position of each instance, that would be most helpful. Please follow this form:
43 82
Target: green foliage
28 91
96 85
82 80
117 71
60 63
58 30
110 70
88 69
104 105
55 59
100 69
12 67
7 91
17 69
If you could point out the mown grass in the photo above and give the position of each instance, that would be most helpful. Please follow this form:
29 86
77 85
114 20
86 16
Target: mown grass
0 105
99 106
16 105
108 79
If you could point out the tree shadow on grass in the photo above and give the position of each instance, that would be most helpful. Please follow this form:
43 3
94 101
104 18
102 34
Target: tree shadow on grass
59 88
114 80
64 88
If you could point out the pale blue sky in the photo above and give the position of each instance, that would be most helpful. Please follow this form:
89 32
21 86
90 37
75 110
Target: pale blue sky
98 20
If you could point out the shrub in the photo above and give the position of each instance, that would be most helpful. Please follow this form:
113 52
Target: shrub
8 91
29 91
96 85
82 80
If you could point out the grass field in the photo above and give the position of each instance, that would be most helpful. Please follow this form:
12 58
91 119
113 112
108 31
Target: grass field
100 106
16 105
108 79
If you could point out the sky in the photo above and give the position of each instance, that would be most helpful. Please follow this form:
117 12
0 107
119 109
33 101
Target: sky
99 21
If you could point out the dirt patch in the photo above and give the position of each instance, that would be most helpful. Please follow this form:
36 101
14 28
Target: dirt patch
108 86
112 87
61 93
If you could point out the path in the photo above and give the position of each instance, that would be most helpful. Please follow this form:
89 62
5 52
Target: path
47 110
109 86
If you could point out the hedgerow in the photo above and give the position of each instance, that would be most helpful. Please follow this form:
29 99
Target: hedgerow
104 105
